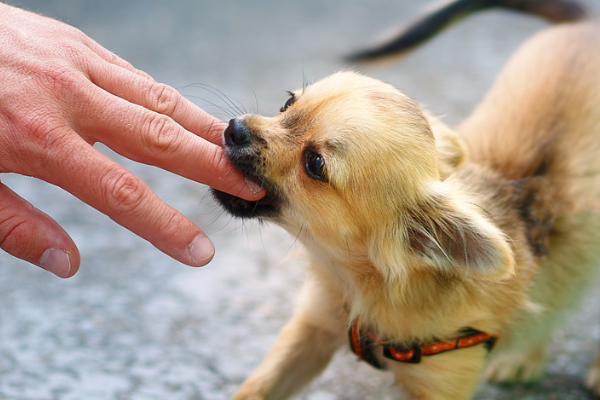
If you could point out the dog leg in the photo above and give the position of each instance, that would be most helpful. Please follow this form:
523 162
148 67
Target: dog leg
525 367
592 381
302 350
450 376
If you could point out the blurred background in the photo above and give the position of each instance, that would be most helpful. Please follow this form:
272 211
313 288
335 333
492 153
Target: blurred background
136 325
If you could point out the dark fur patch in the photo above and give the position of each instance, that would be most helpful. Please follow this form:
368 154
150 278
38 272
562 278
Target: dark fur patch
531 209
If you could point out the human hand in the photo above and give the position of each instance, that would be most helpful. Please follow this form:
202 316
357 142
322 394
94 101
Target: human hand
61 93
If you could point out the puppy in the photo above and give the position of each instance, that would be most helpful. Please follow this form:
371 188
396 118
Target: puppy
435 253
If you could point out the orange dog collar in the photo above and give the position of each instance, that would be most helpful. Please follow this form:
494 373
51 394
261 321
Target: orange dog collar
363 344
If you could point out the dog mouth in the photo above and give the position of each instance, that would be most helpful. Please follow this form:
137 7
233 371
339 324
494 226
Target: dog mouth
268 206
244 153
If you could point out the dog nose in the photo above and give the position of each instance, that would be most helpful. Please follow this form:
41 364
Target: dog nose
237 133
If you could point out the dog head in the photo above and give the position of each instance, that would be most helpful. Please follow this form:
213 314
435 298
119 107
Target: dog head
354 167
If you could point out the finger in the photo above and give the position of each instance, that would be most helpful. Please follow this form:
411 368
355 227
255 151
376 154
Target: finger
152 138
125 198
29 234
112 58
157 97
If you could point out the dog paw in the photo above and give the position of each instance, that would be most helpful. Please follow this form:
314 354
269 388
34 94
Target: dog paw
518 369
592 382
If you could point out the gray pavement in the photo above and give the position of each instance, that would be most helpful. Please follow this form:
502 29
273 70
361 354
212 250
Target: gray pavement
134 324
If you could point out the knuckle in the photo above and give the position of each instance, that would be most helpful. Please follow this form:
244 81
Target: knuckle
164 99
15 232
59 77
171 226
63 72
35 138
72 49
220 161
164 136
47 135
123 191
224 176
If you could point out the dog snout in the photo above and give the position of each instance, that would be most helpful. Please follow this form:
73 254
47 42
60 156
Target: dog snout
237 133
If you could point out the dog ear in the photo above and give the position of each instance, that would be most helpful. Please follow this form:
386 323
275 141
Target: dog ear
446 236
452 238
450 146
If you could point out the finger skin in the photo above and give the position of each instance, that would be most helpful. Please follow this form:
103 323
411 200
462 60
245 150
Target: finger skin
27 233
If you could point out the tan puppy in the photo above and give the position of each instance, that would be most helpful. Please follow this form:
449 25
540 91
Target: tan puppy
423 239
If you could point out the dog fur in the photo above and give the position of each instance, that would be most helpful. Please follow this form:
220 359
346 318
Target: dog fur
420 230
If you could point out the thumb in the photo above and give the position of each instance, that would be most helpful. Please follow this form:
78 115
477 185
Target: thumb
29 234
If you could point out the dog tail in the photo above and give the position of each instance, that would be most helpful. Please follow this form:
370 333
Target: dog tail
448 12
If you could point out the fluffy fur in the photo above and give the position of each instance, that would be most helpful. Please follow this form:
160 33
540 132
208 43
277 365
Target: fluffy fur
420 230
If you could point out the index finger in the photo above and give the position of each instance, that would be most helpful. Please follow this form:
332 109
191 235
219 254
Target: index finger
158 97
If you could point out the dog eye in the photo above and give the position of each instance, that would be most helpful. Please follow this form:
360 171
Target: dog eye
289 102
314 164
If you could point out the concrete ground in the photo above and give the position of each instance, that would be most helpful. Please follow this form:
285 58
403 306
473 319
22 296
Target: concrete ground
135 325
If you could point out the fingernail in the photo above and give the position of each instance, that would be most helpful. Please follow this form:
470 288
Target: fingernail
253 186
201 250
56 261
